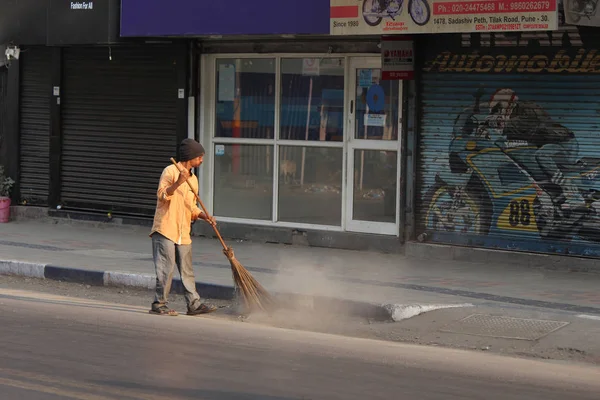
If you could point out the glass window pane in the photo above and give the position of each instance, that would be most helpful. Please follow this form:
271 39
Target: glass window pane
375 180
377 105
243 181
245 98
312 99
310 185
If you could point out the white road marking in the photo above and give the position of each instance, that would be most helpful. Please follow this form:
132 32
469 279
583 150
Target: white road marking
594 317
399 312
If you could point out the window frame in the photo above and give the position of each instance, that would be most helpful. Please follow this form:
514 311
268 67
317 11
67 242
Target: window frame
207 124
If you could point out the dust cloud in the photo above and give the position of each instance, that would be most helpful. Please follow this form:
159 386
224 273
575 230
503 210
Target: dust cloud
307 276
305 287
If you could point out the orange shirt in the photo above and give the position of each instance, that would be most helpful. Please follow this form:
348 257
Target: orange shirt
173 216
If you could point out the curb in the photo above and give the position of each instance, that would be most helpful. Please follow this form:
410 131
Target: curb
376 312
32 270
105 278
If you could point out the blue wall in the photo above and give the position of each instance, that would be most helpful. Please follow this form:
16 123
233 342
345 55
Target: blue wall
232 17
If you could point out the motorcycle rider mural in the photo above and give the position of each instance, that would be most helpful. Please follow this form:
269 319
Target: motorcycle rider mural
526 123
537 184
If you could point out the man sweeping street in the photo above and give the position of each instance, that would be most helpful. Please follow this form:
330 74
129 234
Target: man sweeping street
176 209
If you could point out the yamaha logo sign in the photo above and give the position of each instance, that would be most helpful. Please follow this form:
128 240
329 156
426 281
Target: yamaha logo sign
397 55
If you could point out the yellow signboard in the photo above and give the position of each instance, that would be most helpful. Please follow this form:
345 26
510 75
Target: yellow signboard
387 17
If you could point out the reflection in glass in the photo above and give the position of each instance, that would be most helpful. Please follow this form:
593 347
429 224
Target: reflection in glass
310 185
377 104
248 191
375 185
312 99
245 98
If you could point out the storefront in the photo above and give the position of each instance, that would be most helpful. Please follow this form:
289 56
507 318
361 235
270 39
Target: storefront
97 117
302 132
108 110
34 123
290 145
121 120
508 141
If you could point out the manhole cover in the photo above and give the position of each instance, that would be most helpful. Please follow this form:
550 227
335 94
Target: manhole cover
503 327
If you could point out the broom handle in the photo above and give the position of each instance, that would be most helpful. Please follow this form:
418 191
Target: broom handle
201 204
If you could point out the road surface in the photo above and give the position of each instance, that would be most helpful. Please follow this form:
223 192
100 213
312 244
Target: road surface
54 347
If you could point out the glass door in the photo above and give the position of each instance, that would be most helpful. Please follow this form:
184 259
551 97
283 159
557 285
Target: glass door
374 124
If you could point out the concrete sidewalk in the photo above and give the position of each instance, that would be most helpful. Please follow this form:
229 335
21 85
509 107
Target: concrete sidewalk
121 255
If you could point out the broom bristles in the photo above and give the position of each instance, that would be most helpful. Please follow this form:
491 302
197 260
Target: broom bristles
254 295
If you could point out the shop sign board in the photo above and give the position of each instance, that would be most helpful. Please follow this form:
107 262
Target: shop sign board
146 18
82 22
397 58
385 17
58 22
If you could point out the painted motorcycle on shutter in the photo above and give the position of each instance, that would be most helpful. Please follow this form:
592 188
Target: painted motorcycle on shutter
497 187
375 10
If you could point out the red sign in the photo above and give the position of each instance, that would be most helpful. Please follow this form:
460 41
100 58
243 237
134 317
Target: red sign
397 58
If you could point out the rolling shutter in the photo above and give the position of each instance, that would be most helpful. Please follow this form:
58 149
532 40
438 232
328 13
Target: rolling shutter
34 138
118 126
472 192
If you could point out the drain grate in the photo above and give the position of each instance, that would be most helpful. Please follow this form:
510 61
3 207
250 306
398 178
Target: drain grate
503 327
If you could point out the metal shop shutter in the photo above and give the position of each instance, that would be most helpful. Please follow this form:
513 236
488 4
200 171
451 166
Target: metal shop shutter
469 193
118 126
3 110
34 147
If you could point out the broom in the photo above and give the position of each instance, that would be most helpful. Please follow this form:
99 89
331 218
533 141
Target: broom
253 294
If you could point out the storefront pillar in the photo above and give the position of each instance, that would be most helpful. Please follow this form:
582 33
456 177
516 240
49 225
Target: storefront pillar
54 94
183 90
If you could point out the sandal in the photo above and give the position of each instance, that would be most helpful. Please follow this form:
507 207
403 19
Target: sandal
202 309
163 310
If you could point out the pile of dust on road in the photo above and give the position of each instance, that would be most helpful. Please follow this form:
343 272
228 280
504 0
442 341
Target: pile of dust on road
304 313
306 294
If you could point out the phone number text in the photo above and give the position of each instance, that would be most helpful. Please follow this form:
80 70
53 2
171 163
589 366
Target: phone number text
486 7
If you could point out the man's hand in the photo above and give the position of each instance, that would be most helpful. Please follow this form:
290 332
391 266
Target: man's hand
211 220
184 174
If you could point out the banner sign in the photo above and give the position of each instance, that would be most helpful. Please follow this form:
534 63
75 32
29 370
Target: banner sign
83 22
58 22
152 18
397 58
384 17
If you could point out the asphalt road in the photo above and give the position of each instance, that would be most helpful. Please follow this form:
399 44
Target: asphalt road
55 347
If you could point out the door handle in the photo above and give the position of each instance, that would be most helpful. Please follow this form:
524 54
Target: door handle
351 106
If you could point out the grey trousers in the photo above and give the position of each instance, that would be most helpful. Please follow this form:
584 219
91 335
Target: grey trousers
166 255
